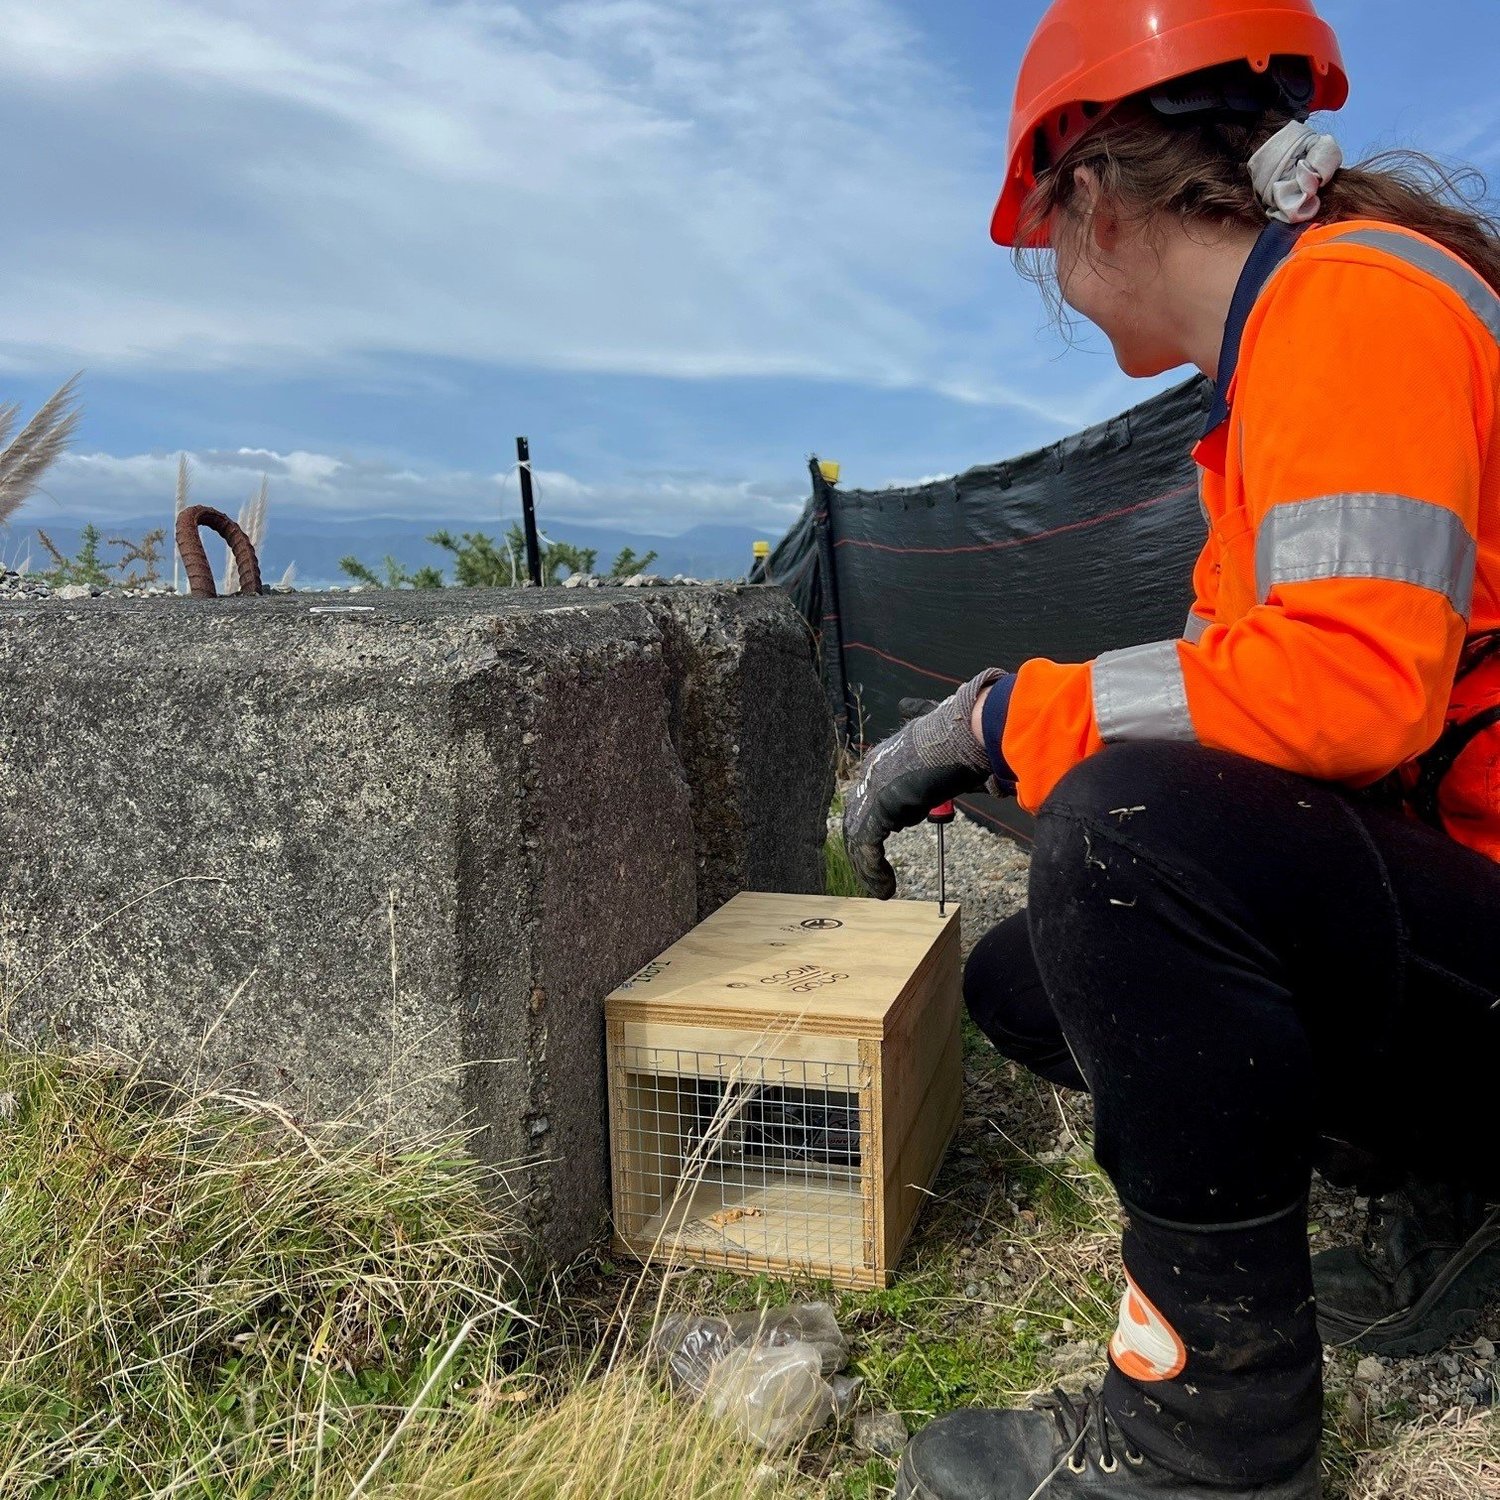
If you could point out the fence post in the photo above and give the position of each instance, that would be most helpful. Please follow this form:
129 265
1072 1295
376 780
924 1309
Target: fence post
830 627
528 513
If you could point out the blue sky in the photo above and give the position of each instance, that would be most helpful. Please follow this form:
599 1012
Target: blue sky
359 245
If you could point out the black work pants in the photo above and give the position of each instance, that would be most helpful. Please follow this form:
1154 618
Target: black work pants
1233 960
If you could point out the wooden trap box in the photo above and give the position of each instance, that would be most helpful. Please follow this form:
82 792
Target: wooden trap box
783 1083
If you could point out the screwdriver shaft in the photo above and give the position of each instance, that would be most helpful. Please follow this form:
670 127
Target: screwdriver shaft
942 871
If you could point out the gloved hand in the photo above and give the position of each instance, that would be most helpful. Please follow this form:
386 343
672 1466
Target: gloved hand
931 760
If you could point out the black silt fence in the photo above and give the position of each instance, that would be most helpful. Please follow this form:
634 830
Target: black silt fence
1083 547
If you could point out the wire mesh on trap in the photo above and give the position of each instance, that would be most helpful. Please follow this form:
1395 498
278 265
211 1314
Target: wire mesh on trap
783 1083
750 1158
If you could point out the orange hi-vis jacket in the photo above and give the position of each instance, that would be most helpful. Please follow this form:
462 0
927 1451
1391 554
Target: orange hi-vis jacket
1353 559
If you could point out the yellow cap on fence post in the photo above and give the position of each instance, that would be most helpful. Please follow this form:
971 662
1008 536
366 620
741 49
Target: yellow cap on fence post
829 470
762 550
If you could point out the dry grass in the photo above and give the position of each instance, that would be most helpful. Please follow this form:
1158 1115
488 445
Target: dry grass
1453 1458
252 520
613 1435
207 1298
26 456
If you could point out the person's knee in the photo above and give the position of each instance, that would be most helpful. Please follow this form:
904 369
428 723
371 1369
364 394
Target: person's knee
1002 989
1123 835
1007 1001
1130 807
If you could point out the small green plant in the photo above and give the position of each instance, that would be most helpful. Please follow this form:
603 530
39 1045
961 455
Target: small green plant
479 561
627 564
87 568
392 574
137 566
839 878
871 1481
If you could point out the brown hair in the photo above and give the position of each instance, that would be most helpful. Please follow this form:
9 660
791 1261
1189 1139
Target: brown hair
1148 164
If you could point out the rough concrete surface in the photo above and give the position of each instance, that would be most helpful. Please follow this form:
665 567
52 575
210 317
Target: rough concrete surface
386 864
742 704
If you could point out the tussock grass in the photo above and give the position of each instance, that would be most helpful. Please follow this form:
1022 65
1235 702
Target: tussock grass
25 456
839 878
205 1299
614 1435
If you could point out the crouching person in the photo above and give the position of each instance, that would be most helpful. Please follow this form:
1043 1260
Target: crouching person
1265 896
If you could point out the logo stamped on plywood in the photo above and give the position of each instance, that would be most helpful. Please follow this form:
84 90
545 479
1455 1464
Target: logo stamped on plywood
804 979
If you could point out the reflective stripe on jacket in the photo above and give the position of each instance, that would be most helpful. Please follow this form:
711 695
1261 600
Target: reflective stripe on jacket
1353 502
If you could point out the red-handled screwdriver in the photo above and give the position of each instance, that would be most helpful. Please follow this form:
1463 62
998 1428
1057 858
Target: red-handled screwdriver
942 815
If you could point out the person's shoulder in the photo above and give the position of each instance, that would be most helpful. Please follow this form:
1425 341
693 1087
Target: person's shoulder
1376 260
1365 306
1389 293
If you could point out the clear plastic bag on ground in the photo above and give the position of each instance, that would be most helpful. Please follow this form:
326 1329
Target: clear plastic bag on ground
765 1372
811 1322
773 1394
847 1390
690 1344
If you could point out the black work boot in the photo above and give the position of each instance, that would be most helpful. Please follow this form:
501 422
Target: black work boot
1428 1267
1068 1449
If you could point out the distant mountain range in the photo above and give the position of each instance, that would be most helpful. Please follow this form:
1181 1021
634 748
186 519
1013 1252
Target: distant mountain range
315 544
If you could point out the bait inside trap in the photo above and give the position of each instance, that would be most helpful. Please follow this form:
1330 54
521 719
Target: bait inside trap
783 1085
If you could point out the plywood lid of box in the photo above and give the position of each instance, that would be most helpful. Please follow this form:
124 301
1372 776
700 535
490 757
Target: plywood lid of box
814 963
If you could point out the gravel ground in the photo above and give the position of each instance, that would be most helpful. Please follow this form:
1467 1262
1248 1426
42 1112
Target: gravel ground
23 586
18 586
986 874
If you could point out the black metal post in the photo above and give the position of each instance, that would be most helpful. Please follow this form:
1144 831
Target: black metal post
528 514
835 680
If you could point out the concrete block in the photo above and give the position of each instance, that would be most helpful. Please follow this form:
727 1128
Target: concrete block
752 729
382 856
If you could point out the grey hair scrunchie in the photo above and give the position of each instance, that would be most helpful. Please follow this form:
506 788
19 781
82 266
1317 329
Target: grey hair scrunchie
1291 168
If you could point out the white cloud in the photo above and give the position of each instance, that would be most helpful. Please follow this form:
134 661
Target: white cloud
692 188
106 488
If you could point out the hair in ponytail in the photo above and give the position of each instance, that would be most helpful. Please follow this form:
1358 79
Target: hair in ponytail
1196 169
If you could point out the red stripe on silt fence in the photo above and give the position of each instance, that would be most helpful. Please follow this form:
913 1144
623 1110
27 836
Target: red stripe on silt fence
1021 541
910 666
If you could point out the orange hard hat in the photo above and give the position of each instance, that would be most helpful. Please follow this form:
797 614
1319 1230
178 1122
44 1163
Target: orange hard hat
1086 56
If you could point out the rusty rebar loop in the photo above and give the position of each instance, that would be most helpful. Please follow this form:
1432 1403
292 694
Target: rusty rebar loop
200 575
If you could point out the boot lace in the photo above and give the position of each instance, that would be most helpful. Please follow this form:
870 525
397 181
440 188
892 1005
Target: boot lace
1086 1431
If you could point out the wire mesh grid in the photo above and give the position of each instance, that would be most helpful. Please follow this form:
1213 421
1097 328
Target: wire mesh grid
745 1159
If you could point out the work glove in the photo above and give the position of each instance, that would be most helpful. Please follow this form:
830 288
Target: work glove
932 760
